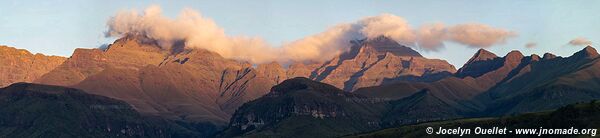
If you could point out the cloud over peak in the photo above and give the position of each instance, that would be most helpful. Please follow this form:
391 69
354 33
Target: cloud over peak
197 31
478 35
580 41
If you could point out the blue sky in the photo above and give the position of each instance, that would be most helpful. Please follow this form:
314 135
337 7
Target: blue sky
57 27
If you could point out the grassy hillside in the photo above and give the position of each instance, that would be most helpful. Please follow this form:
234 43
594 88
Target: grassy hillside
582 115
32 110
301 107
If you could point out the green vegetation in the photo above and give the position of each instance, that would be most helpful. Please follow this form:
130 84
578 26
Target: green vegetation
581 115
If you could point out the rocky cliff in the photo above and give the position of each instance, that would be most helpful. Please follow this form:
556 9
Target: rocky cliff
188 84
18 65
304 105
377 61
488 85
370 62
199 85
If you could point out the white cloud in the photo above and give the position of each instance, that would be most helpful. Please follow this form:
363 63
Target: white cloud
580 41
201 32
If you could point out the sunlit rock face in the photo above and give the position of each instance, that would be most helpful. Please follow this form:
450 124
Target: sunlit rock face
188 84
199 85
377 61
370 62
18 65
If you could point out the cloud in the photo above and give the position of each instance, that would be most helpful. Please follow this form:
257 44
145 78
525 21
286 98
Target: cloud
431 37
531 45
192 28
321 46
478 35
387 25
197 31
336 39
580 41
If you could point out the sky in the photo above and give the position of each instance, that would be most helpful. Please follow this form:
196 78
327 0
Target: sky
57 27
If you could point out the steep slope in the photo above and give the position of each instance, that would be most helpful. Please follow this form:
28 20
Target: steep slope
462 96
379 60
273 71
493 70
32 110
300 107
370 62
18 65
482 62
188 84
488 85
548 84
128 52
199 85
465 84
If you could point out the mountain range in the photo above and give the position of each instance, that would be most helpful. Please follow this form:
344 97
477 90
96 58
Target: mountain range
378 83
486 86
199 85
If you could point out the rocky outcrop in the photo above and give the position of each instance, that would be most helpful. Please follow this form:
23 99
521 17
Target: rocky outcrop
305 106
272 71
547 84
548 56
488 69
498 86
370 62
383 44
482 62
188 84
376 61
128 52
301 70
18 65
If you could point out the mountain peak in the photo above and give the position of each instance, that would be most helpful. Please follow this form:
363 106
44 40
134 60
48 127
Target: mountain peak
382 45
548 56
483 61
514 55
482 55
20 65
535 57
587 52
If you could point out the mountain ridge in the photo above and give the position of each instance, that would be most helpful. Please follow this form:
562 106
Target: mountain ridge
19 65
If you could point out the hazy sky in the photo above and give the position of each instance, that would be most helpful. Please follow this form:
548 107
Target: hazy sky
57 27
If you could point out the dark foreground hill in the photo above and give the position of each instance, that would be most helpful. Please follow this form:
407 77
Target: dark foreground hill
33 110
301 107
579 116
